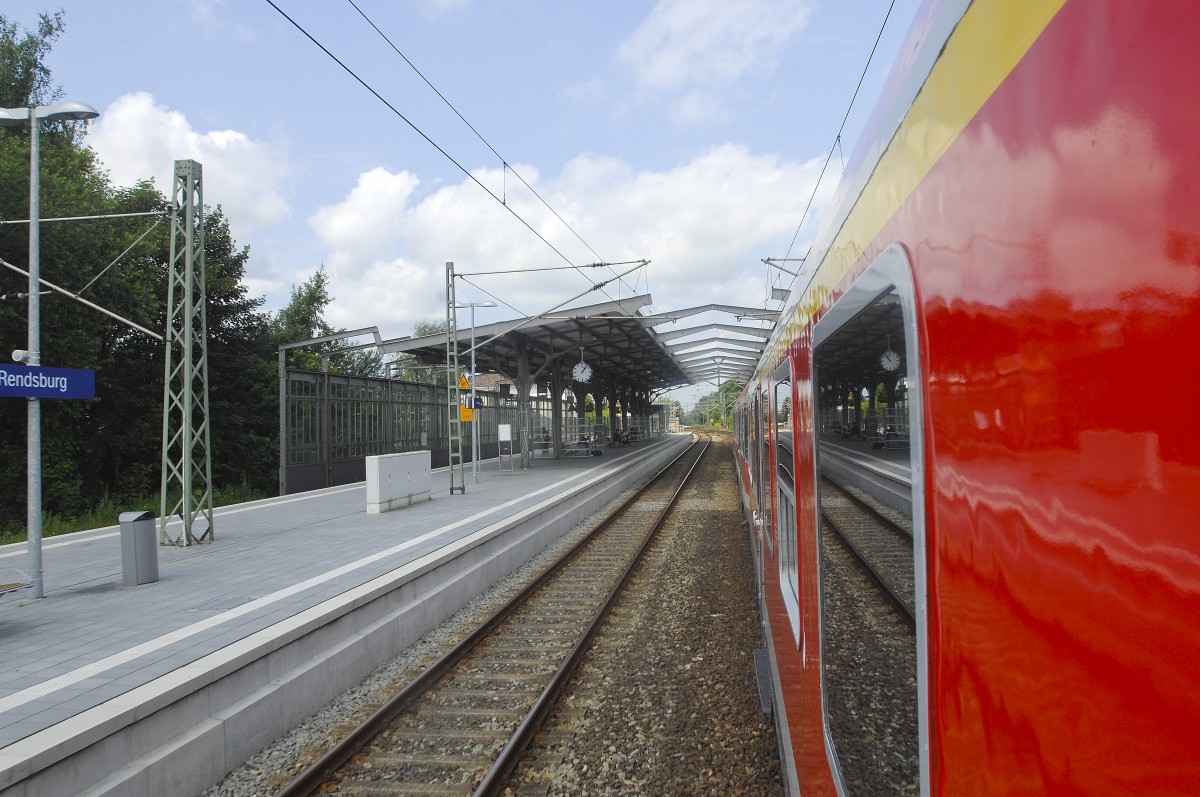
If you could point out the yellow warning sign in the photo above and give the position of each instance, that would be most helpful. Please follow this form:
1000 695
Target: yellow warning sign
463 384
466 414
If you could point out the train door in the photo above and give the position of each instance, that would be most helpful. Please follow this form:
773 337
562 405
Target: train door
760 454
785 492
875 674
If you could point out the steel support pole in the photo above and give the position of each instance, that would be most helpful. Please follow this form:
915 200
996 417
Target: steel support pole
720 394
474 410
283 422
34 417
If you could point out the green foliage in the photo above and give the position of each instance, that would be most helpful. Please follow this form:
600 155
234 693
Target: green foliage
106 453
22 62
407 368
716 408
424 328
107 510
304 318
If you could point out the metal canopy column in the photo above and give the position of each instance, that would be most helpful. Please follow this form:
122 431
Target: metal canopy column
581 392
556 409
524 387
600 397
186 457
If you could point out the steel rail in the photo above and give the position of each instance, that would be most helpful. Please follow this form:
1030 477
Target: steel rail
493 782
308 781
868 507
875 575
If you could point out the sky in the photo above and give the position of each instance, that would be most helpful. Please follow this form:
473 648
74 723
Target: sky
689 133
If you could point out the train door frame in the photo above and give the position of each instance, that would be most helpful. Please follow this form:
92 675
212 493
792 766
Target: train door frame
891 271
785 515
761 473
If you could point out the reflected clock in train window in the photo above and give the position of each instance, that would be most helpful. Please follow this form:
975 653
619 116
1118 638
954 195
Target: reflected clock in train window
889 360
581 372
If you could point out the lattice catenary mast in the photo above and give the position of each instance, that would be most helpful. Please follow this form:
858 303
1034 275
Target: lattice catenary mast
458 476
186 457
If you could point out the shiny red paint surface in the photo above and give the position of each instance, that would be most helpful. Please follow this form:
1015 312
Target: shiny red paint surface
1056 253
1056 283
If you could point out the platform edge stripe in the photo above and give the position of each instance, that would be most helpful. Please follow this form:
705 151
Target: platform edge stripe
29 694
70 736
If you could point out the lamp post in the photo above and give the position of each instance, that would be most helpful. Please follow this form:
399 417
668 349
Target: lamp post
720 395
475 421
9 117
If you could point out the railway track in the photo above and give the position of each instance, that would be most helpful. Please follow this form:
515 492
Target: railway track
459 726
883 546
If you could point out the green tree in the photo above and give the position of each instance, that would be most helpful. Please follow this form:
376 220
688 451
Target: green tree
23 62
71 337
111 447
407 368
243 380
304 318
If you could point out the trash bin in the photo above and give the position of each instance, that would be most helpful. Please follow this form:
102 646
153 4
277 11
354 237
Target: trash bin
139 548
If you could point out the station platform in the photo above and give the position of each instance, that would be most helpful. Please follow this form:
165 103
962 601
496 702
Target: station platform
165 687
885 473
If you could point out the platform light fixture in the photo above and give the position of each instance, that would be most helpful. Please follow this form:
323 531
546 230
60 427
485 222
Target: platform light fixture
14 117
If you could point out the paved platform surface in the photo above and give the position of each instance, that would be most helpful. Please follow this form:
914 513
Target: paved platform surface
91 639
891 461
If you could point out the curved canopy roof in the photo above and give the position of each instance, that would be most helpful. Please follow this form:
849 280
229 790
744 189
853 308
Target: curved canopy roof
615 338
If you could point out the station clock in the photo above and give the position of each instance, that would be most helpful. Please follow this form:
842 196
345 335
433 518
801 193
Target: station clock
581 371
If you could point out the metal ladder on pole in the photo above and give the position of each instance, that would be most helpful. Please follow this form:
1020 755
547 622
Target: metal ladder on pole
458 476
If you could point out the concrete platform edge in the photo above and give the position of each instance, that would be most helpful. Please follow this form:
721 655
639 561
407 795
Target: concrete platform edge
184 731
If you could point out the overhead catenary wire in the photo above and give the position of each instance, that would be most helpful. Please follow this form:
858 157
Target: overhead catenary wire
504 161
520 312
500 200
599 286
491 295
417 130
88 218
83 301
104 270
838 138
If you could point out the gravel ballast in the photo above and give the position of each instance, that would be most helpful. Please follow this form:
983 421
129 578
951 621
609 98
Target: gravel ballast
667 703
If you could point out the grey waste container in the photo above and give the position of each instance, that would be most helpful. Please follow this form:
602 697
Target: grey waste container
139 548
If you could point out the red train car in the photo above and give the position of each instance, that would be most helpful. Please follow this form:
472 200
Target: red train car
1012 268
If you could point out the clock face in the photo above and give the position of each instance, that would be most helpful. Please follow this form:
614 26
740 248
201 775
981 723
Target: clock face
889 360
581 372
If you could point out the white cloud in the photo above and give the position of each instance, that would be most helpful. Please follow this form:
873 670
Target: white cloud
210 16
589 91
137 139
362 227
698 48
704 225
439 8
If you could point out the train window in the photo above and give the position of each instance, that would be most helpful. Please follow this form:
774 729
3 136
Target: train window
752 448
785 492
874 672
760 457
765 499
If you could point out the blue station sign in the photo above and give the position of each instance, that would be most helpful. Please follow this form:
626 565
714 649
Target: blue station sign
35 381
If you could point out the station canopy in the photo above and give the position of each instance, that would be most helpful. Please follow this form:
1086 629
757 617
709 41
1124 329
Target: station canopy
615 338
852 354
